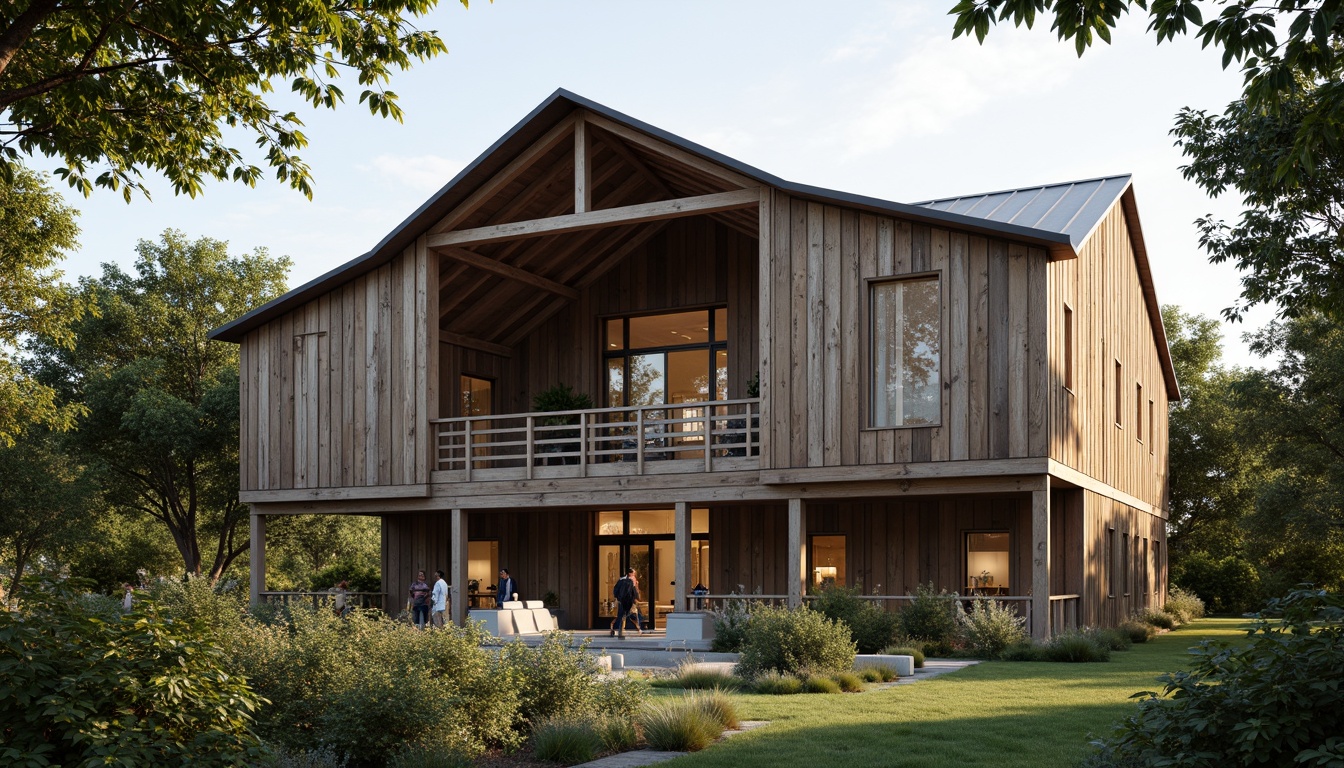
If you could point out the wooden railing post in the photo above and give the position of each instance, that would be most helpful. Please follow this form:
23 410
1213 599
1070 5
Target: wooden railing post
709 433
639 440
583 444
531 444
466 445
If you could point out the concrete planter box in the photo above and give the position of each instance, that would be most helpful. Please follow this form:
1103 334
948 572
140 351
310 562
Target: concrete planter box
690 626
904 665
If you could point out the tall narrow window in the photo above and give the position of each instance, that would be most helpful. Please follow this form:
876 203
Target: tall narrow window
828 561
477 396
1068 347
1119 394
1109 561
1138 412
1152 442
1124 563
906 385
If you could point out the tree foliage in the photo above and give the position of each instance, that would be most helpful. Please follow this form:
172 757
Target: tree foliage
1277 147
111 88
162 400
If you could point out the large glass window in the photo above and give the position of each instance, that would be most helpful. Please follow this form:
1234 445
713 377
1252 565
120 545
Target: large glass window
906 353
987 563
828 562
477 396
680 357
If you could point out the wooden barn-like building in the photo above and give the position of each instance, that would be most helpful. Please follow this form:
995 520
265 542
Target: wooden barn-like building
762 387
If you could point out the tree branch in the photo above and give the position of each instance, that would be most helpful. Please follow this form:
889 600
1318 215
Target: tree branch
22 28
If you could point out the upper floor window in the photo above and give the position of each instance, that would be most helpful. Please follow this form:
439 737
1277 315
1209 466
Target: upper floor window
1068 347
906 386
679 357
1138 412
1119 394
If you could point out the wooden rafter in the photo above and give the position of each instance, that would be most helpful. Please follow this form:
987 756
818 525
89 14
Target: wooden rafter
614 143
488 264
498 350
583 182
679 155
629 214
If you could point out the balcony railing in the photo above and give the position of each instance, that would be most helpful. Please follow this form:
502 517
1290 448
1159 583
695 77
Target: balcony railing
714 436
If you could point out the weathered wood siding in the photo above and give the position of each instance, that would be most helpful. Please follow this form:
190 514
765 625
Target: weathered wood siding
336 392
1111 324
691 263
544 550
814 321
1126 560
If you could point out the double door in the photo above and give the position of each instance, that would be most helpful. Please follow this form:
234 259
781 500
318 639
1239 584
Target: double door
653 559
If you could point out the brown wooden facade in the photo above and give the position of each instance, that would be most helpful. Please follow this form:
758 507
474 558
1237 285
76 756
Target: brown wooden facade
1055 379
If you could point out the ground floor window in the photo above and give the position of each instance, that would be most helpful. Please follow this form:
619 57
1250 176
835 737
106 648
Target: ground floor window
482 573
827 558
988 569
645 539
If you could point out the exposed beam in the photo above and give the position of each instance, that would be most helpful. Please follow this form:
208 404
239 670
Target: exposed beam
686 158
583 189
487 264
457 339
619 148
629 214
494 184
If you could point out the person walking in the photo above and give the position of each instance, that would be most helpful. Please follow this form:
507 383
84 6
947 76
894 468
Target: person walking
626 593
439 599
419 592
508 588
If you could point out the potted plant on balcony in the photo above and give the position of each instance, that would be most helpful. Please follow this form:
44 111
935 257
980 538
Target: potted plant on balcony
561 397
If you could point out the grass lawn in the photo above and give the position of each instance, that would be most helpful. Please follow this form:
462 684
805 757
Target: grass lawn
993 714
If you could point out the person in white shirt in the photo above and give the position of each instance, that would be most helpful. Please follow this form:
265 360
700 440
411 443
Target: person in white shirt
439 599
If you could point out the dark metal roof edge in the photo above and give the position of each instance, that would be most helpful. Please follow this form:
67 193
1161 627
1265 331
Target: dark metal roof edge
1130 205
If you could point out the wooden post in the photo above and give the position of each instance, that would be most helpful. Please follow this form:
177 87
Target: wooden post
1040 563
681 595
458 567
797 554
257 558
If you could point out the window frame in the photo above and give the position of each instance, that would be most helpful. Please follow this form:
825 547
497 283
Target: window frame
866 340
1138 411
711 348
1068 348
1119 395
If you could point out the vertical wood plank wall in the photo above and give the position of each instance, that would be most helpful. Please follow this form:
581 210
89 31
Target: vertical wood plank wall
814 336
1110 324
692 262
336 392
1106 524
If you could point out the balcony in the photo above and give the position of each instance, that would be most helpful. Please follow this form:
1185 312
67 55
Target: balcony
717 436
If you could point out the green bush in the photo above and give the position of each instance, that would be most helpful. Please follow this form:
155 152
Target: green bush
989 627
820 684
870 675
678 725
1159 619
907 650
1275 700
617 732
1024 651
730 624
794 640
553 680
777 684
362 577
1184 605
1227 585
695 677
1111 639
1137 630
871 627
888 674
1074 646
422 755
566 741
931 617
849 682
323 757
718 705
146 688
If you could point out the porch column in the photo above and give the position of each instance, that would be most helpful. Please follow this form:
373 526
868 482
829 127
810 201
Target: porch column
1040 562
681 595
797 552
257 557
458 569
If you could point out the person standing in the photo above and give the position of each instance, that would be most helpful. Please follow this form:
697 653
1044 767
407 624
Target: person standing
420 600
439 599
626 593
508 588
126 599
339 603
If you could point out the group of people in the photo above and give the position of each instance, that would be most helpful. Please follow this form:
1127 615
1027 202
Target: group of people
429 605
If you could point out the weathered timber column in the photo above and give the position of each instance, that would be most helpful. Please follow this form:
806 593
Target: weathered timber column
458 568
257 557
1040 562
797 552
681 595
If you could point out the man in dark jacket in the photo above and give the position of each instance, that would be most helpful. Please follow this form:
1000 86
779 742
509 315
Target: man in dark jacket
626 593
507 588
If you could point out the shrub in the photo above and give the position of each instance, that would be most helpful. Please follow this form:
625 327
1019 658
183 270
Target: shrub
989 627
1074 646
1159 619
870 675
617 732
553 679
1275 700
429 756
1110 639
718 705
678 725
144 687
1136 629
1229 585
793 640
323 757
820 684
849 682
1184 605
931 617
907 650
362 577
695 677
1024 651
886 673
566 741
871 627
777 684
730 624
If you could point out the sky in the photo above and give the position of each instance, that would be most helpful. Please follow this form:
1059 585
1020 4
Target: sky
873 98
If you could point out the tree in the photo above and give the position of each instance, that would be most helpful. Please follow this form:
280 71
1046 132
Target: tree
155 83
1277 146
161 426
36 228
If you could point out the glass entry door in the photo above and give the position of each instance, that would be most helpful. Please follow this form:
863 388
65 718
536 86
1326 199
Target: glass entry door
653 561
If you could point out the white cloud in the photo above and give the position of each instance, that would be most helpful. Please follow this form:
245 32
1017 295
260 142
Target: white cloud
420 173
